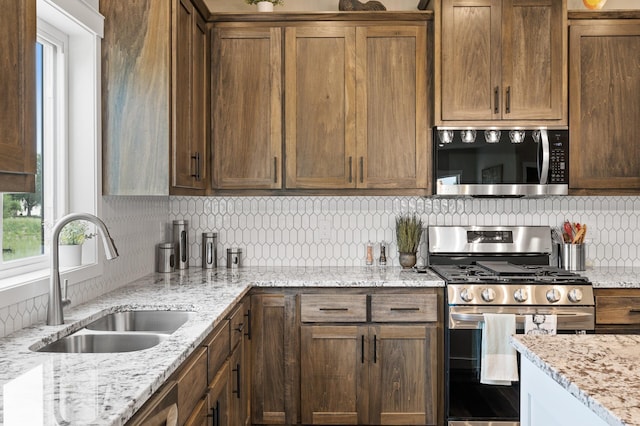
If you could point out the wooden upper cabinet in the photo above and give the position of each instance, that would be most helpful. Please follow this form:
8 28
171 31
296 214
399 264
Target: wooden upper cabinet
247 104
190 88
17 92
391 93
320 107
501 60
356 107
605 107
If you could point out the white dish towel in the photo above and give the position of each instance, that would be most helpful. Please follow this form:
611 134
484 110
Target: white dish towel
499 363
541 324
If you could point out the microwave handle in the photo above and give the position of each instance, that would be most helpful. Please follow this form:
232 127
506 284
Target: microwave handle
544 150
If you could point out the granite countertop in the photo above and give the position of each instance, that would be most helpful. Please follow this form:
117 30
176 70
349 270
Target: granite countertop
107 389
613 277
601 371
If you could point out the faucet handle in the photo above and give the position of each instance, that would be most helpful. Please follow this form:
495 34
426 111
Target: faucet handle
65 300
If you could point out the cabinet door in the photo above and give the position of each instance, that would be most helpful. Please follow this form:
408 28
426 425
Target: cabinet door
392 121
402 375
219 393
470 70
237 403
190 60
320 107
605 107
268 364
534 44
247 116
17 91
334 382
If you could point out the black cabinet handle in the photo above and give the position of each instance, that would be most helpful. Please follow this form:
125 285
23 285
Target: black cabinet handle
375 348
275 169
362 350
333 309
508 106
361 169
240 327
237 371
405 309
634 311
196 157
248 315
496 100
350 169
213 417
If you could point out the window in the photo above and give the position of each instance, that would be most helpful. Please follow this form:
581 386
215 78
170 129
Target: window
68 144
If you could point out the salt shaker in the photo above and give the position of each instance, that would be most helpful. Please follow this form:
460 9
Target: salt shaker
369 260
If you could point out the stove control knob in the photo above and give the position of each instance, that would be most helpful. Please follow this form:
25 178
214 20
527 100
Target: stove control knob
488 295
466 295
553 295
520 295
575 295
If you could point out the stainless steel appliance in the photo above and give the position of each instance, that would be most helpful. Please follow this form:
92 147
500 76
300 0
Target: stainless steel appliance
498 269
501 162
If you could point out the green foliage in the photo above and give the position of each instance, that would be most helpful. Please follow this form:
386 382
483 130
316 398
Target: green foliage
408 233
21 237
275 2
75 233
10 206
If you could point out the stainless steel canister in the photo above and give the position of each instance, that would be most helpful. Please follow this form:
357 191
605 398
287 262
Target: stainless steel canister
181 241
209 250
234 258
165 257
574 257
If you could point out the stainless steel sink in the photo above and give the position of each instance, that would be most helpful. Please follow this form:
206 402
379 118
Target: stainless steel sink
103 343
126 331
141 321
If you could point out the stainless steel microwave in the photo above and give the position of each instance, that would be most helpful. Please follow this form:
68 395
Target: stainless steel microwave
501 162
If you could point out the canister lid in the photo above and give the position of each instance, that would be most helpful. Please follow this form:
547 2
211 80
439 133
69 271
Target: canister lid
209 235
180 222
234 250
166 245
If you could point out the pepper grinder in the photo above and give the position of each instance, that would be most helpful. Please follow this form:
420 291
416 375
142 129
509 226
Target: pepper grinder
382 261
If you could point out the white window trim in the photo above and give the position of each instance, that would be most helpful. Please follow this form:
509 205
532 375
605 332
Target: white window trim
84 24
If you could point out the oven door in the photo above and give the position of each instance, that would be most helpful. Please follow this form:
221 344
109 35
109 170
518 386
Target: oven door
468 402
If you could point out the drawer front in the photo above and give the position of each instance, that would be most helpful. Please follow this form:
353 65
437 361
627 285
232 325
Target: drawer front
333 308
218 346
404 307
238 321
618 310
192 383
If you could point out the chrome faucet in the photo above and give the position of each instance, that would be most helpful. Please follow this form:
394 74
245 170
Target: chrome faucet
54 309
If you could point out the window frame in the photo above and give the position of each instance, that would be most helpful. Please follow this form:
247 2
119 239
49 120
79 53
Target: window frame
78 164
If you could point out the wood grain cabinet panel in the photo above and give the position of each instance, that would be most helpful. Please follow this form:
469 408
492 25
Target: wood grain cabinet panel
192 384
356 107
247 111
617 310
155 103
333 308
501 60
605 82
18 95
190 60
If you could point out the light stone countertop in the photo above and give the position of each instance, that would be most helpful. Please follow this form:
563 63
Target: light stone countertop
601 371
107 389
613 277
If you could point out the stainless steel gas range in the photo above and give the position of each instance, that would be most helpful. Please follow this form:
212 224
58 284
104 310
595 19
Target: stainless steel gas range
498 269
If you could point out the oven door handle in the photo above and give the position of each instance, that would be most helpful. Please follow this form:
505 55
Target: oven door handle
520 318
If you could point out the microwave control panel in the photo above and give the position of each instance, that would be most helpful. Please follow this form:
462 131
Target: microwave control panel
559 157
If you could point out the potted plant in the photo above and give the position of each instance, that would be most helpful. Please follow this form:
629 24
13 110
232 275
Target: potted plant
408 233
265 6
72 236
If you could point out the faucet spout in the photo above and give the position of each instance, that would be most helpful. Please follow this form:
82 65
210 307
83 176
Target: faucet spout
54 309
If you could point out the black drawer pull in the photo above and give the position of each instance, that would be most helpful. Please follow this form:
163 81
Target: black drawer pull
334 309
634 311
405 309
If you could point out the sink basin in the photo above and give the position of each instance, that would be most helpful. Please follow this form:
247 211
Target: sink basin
103 343
143 321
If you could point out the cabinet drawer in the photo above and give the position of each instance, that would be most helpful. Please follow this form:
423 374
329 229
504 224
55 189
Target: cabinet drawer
238 321
333 308
192 383
618 310
218 346
404 307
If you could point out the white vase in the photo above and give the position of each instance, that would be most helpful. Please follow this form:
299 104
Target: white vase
70 255
265 6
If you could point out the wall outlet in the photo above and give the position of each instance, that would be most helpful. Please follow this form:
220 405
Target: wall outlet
323 232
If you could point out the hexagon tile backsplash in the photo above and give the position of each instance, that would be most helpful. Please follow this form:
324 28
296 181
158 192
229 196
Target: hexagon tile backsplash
333 231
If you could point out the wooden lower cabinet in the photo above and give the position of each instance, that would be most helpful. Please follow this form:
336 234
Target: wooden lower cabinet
617 310
382 374
213 408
